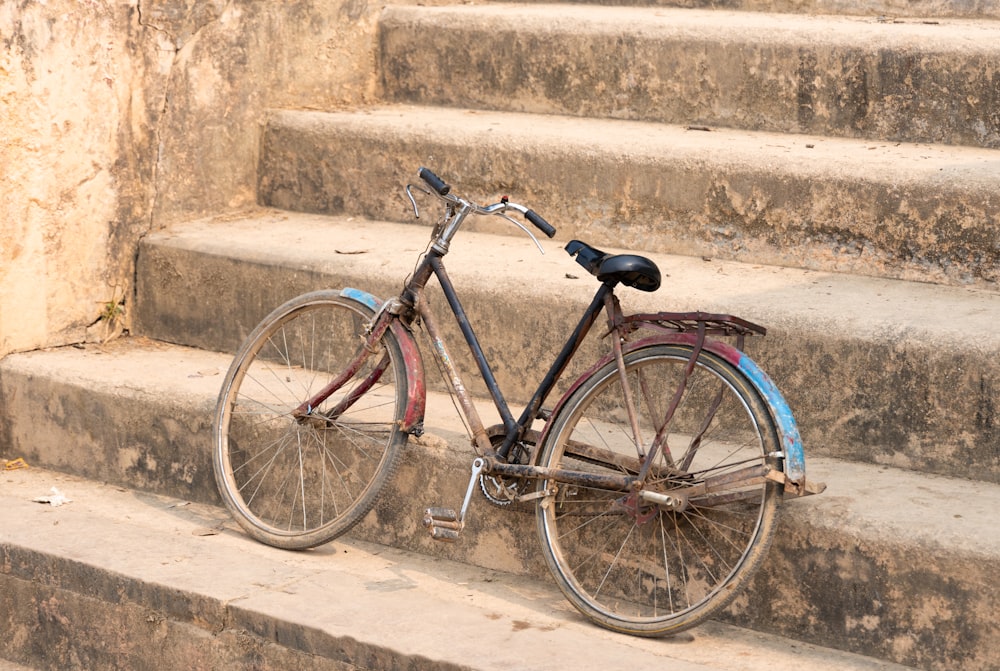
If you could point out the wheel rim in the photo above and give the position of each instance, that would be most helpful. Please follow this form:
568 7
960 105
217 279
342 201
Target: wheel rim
311 475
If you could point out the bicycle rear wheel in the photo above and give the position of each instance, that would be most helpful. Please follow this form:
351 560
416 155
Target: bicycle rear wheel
295 479
642 566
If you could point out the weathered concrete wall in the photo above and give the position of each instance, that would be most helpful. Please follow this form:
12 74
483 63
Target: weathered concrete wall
75 155
121 116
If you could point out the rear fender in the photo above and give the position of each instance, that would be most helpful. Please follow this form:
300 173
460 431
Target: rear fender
788 431
416 389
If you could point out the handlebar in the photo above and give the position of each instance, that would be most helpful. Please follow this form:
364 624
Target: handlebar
434 181
443 191
542 225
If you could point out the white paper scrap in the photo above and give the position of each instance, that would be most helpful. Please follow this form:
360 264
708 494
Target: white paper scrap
55 500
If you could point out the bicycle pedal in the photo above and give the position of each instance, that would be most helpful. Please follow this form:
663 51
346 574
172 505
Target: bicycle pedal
446 535
440 515
443 523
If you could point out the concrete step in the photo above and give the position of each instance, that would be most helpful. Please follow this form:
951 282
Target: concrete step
888 563
888 10
173 586
878 371
925 213
841 76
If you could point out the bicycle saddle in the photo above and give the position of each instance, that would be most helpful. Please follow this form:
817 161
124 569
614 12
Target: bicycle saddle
628 269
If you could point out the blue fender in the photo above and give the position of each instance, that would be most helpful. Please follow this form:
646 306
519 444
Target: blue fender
361 297
788 428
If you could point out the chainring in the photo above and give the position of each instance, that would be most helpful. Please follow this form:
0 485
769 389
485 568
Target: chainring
500 490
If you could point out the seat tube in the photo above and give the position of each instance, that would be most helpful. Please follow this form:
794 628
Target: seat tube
563 358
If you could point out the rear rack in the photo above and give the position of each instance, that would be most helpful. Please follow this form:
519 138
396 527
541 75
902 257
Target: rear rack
682 322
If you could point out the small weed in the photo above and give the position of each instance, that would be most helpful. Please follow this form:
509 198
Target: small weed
112 315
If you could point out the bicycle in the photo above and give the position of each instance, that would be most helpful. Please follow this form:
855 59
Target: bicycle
656 478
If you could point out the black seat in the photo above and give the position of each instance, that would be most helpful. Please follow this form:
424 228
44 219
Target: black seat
628 269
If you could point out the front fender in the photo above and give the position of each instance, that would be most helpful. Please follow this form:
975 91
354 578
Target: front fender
416 389
788 431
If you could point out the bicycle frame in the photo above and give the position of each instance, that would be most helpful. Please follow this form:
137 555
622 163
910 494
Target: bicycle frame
412 305
514 429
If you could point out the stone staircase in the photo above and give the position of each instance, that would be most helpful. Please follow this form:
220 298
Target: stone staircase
830 171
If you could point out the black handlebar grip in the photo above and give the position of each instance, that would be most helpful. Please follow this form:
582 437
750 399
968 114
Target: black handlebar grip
544 226
434 181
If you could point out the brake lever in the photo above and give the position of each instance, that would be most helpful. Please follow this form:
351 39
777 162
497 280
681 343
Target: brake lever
525 229
413 201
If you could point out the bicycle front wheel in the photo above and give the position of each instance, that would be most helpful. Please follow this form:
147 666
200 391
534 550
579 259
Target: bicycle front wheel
656 565
296 473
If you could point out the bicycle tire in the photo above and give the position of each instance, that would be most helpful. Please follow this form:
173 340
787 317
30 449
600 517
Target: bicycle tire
653 571
298 482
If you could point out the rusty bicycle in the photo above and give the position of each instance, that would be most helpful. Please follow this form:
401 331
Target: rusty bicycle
656 477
